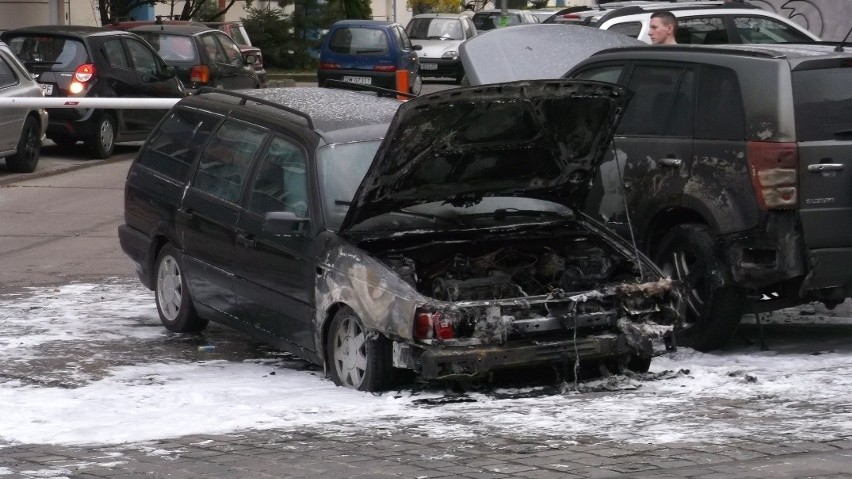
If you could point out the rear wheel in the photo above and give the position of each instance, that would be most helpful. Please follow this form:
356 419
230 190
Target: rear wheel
103 142
357 359
416 84
28 151
714 304
173 299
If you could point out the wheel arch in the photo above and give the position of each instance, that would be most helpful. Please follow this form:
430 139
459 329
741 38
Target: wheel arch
664 221
325 328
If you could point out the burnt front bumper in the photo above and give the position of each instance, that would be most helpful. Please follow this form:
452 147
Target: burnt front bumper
458 362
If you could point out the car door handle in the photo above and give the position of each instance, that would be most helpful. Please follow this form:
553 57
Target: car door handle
672 162
185 214
246 240
821 167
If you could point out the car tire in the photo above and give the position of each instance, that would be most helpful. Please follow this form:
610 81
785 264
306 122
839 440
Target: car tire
63 141
714 304
416 84
28 151
102 143
356 358
174 303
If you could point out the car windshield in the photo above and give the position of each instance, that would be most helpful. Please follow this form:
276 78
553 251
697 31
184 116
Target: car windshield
435 29
823 102
48 53
341 167
490 21
171 47
358 41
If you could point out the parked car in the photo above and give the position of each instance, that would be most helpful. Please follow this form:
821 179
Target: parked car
704 22
281 213
201 56
440 35
368 52
490 19
80 61
21 129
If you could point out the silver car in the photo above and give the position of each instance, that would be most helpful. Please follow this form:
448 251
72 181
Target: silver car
440 35
22 130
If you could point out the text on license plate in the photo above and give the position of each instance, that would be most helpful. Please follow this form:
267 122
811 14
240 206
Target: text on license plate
428 66
46 89
358 80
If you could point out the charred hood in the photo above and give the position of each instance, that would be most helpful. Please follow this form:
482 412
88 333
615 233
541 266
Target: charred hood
539 139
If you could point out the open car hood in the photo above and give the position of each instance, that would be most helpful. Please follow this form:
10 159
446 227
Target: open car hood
531 52
539 139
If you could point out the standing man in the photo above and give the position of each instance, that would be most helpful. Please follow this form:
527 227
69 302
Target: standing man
663 27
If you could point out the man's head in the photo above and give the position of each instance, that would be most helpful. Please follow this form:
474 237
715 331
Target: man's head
663 28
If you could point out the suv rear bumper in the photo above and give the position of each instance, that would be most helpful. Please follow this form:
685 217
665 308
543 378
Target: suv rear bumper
829 268
767 255
139 247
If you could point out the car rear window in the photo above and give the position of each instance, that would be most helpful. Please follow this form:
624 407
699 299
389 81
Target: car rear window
823 104
174 145
490 21
359 41
171 47
48 53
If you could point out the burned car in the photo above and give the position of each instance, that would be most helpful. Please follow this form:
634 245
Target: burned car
446 242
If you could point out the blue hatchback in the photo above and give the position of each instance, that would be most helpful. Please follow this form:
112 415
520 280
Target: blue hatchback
368 52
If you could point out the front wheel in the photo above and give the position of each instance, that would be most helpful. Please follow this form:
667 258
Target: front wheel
28 151
357 359
714 304
173 299
416 84
103 142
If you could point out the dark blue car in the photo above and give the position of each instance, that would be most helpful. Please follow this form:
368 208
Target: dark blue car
368 52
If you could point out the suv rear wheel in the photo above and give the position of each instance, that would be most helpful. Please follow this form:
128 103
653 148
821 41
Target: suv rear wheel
714 304
103 142
172 295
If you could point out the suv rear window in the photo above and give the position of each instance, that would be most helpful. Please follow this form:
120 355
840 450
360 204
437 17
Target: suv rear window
491 20
357 41
174 145
46 53
823 104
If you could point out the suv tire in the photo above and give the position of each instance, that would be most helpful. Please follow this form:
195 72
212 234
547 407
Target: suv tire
26 156
715 305
357 358
102 143
174 303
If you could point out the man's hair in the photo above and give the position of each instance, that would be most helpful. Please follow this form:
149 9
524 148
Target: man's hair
666 17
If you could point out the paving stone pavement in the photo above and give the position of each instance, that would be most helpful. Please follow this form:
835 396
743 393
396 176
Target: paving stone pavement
287 454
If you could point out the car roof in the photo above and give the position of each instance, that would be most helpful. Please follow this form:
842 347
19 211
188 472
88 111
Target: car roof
793 53
362 23
337 115
180 29
80 31
497 10
440 15
619 9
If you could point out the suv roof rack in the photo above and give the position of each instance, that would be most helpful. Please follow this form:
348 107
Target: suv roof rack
246 98
761 51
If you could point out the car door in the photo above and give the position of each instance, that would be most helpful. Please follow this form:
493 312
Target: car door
147 79
407 54
653 145
275 272
206 221
11 119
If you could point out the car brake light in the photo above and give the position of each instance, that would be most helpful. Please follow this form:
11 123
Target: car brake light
571 16
84 73
433 325
329 66
199 74
774 175
385 68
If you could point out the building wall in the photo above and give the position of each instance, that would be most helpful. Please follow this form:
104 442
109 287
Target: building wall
21 13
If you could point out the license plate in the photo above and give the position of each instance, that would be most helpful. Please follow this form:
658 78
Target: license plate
46 89
428 66
358 80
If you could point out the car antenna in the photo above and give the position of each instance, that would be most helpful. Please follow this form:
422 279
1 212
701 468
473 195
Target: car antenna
839 47
627 211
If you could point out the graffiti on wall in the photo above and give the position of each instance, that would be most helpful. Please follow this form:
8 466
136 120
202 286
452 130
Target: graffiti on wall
829 19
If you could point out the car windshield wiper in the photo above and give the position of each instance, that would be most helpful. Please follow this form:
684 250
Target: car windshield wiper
503 213
454 221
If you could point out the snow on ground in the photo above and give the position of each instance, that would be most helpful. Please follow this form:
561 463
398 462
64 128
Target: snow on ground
163 386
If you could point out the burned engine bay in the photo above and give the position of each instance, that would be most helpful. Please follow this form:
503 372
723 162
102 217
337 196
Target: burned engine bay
522 287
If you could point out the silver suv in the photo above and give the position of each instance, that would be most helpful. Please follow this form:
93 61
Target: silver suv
704 23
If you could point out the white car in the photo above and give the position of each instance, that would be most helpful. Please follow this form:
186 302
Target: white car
440 35
22 130
706 23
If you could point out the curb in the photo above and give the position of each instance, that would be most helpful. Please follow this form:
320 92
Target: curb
18 177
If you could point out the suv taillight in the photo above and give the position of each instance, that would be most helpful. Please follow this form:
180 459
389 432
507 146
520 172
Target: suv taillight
84 73
199 74
774 173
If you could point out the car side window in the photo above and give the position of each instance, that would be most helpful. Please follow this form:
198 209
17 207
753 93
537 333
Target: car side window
214 51
403 39
281 183
114 53
631 29
7 75
144 60
608 74
767 30
226 159
702 30
721 115
662 104
233 55
174 145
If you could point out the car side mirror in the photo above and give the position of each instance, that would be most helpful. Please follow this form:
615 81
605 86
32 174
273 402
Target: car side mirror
417 47
169 72
285 223
251 59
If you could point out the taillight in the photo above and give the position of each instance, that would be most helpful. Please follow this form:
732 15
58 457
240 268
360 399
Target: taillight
571 16
329 66
84 73
774 173
433 325
199 74
385 68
